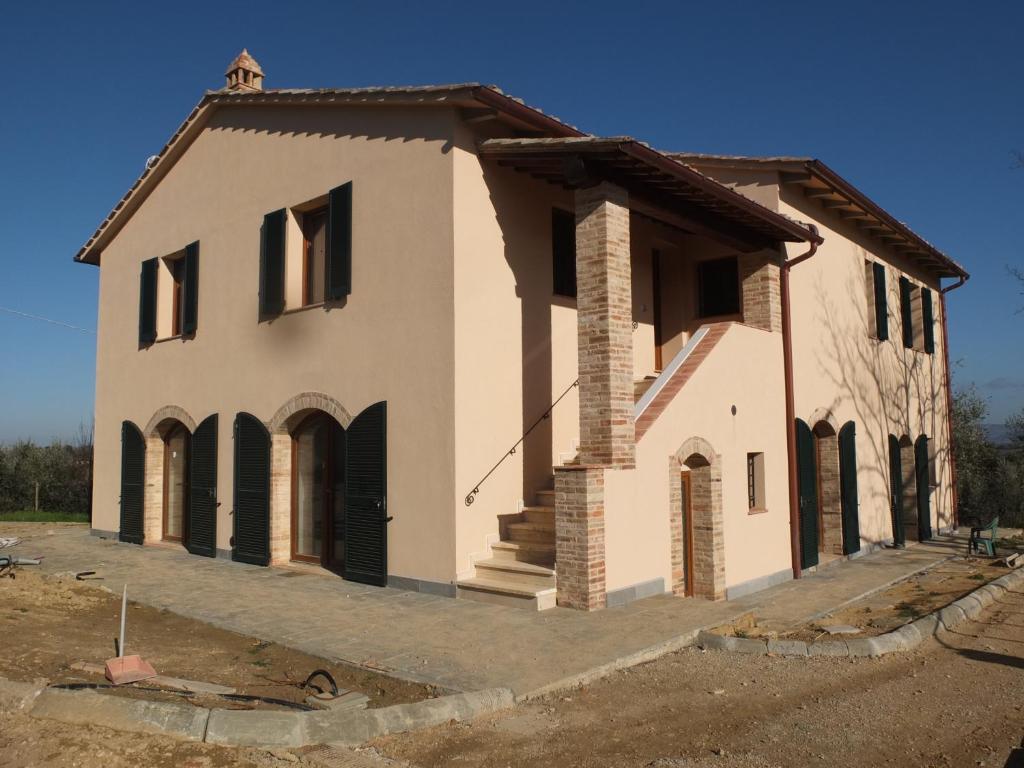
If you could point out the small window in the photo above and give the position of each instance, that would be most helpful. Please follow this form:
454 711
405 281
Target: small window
563 252
170 289
314 264
718 287
755 482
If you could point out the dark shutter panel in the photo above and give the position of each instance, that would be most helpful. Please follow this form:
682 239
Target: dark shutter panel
928 319
272 263
906 313
881 302
896 491
202 501
848 488
807 474
366 539
563 252
147 302
190 291
338 273
133 482
924 508
251 542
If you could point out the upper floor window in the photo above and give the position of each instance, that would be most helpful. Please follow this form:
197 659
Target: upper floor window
314 258
563 252
877 298
169 296
718 287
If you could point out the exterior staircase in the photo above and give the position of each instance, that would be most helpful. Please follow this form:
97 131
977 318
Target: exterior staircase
521 569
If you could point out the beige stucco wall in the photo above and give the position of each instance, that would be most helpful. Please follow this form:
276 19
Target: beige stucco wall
392 340
743 370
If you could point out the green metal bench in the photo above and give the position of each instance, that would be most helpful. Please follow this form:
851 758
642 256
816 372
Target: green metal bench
977 542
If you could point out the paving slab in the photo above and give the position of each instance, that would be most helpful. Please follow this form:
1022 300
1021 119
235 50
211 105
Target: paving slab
453 644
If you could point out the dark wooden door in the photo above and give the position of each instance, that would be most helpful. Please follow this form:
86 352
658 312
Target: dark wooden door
366 540
201 538
924 507
133 483
807 476
896 491
251 540
687 534
848 488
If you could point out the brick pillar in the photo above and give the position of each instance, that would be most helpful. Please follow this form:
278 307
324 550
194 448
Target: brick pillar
153 499
605 326
579 537
280 498
762 297
831 496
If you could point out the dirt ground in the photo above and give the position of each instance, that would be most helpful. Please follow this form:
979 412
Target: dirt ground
48 623
955 703
891 608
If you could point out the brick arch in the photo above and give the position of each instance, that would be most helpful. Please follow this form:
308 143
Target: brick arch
699 459
282 421
823 420
169 412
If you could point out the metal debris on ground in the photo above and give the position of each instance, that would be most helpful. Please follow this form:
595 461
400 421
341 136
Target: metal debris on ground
8 541
8 564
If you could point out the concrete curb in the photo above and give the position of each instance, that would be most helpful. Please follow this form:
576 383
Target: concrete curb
905 638
246 728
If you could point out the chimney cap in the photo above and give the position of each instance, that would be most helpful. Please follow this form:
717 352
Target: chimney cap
246 62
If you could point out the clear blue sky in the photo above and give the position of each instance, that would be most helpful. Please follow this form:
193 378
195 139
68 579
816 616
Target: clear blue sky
918 103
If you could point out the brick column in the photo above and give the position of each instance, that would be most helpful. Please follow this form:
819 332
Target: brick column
605 326
579 537
153 500
280 498
762 298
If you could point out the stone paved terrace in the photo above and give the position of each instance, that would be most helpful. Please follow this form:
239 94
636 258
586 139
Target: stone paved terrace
454 644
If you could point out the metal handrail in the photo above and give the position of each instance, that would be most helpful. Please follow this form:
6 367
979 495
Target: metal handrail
471 496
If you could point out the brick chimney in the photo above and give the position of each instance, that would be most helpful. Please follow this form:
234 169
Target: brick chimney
244 74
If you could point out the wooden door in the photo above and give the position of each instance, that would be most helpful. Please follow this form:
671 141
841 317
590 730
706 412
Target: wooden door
366 517
201 537
133 482
807 475
251 540
688 571
848 488
924 508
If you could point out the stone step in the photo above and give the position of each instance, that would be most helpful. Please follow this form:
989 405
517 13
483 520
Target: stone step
515 572
546 498
500 591
540 514
537 553
543 533
640 387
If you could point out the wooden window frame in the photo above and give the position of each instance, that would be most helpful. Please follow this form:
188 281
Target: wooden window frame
164 536
307 245
325 523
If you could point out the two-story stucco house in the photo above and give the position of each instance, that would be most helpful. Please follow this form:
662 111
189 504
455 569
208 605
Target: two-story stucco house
433 338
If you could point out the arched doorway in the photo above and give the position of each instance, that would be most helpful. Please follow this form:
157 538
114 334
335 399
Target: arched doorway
318 492
899 537
922 479
830 499
176 443
697 528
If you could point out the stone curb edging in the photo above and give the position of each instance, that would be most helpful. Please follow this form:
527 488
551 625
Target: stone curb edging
906 638
241 728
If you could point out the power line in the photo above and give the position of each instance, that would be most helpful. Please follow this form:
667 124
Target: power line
46 320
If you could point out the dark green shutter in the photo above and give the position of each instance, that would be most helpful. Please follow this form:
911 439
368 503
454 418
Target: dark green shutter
338 272
147 302
272 237
202 501
366 536
896 491
924 509
190 291
133 483
906 313
251 540
807 474
881 302
928 319
848 488
563 252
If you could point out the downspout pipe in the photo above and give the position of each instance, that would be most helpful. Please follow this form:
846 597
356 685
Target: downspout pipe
954 497
787 365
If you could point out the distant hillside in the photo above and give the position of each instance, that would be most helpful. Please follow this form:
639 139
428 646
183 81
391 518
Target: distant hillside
997 433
